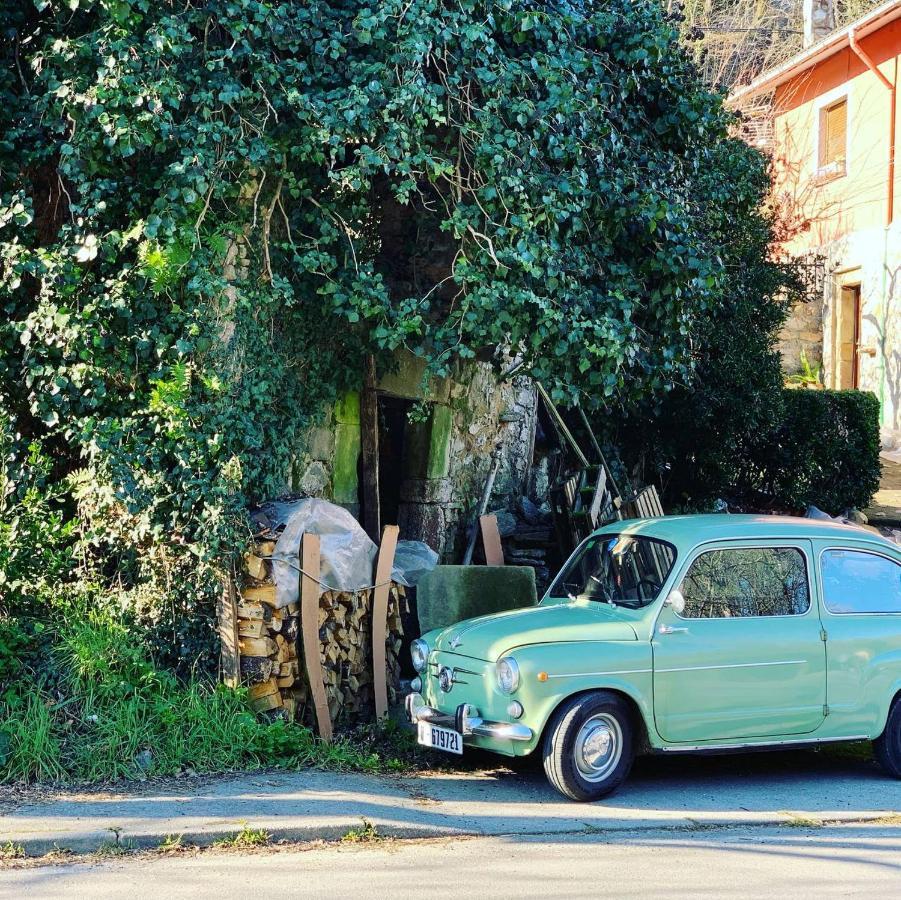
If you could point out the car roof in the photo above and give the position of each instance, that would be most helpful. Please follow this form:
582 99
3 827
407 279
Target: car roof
690 530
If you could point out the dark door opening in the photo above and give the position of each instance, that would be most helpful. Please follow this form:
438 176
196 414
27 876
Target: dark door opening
393 439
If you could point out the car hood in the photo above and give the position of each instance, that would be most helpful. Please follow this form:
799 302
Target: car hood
488 637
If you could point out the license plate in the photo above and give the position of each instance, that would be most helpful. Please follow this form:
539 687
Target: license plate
440 738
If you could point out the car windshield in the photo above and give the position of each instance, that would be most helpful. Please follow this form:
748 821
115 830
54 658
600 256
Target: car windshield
619 569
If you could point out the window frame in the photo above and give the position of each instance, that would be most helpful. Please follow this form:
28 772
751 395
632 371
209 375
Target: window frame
808 569
821 172
822 580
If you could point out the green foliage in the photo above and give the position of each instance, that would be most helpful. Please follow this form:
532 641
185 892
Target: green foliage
825 451
211 211
702 439
807 376
97 709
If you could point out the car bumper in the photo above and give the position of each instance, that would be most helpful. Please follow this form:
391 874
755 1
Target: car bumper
466 719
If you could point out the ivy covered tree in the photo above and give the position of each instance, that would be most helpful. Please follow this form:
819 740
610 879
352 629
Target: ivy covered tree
213 210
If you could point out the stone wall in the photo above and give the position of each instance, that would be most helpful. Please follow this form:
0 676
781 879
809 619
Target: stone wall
802 334
462 420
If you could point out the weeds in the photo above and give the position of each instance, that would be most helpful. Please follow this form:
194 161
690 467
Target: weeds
9 850
367 833
113 848
244 839
171 843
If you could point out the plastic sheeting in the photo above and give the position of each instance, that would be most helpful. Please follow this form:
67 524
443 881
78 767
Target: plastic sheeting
347 555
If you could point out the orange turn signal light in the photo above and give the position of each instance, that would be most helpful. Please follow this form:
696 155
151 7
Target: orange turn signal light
542 676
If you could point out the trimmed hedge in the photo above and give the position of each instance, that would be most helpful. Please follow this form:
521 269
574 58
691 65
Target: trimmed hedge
825 452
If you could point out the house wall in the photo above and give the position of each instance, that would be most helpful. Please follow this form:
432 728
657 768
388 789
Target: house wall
845 218
462 430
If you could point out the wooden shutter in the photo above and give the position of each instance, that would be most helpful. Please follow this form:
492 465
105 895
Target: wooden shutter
833 133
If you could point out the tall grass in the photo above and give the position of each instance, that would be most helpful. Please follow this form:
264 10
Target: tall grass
120 717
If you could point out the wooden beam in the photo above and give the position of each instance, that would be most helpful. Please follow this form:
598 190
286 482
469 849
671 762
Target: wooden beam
369 450
383 570
309 621
491 540
558 421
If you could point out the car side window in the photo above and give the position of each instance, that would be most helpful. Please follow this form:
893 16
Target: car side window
746 582
858 582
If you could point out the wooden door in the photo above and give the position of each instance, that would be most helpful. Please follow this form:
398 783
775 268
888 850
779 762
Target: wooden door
849 337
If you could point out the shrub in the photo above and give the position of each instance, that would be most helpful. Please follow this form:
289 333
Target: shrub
824 452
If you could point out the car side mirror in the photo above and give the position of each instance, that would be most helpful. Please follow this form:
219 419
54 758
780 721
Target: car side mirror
676 601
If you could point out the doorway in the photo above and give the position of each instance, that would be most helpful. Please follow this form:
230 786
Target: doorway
848 337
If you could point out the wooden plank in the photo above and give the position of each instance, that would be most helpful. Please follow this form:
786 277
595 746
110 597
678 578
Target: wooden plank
599 499
369 450
227 614
309 622
491 540
558 421
383 568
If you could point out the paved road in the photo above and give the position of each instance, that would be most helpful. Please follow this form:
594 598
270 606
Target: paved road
759 789
833 861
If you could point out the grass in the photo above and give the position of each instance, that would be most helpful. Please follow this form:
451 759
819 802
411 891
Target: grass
113 848
111 715
245 839
9 850
171 843
796 821
367 833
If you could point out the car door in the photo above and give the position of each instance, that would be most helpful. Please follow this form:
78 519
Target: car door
861 591
746 658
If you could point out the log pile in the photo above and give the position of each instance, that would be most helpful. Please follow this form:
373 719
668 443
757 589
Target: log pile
271 663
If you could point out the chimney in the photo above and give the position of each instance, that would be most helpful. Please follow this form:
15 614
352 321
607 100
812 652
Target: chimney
819 20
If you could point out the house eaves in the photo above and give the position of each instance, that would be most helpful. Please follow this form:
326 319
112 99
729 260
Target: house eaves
816 53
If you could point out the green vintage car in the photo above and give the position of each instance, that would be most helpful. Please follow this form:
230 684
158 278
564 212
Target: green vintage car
679 634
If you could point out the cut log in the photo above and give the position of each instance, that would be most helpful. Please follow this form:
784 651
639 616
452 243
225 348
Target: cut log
263 689
255 669
264 593
255 567
251 628
262 646
255 611
270 701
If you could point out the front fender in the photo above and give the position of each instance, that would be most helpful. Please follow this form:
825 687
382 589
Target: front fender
576 667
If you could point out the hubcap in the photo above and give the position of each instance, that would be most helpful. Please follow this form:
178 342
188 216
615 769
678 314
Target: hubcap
598 747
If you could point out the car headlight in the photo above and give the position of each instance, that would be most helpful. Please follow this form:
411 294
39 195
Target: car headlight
419 651
507 675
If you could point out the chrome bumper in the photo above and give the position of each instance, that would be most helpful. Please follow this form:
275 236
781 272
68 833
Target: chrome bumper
466 720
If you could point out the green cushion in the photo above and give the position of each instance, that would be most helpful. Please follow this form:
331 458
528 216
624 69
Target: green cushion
449 594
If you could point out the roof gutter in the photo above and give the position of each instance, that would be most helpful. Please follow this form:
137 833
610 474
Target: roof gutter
868 62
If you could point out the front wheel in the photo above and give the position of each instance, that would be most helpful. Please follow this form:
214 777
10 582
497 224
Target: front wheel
887 747
588 746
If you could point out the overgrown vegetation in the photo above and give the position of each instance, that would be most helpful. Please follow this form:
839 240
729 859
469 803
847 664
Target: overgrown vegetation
90 706
212 212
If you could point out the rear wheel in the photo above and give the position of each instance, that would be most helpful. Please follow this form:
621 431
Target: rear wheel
589 746
887 747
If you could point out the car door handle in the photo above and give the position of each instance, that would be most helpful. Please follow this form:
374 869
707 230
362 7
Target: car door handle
668 629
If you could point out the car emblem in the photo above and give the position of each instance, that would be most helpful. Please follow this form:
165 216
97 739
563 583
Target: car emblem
445 679
456 642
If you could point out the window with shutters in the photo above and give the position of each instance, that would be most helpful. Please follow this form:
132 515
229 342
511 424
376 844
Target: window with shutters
833 139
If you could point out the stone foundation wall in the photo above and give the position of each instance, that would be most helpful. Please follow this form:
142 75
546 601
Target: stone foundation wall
466 418
802 334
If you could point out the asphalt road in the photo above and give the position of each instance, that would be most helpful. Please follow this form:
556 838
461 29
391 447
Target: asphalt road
796 862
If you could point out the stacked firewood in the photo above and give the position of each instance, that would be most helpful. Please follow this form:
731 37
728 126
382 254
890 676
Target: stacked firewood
271 663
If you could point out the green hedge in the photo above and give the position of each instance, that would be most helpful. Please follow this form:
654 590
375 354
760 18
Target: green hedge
825 452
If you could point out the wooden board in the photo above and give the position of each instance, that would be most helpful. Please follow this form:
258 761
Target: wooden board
380 618
227 613
491 539
309 622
